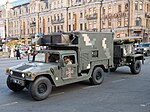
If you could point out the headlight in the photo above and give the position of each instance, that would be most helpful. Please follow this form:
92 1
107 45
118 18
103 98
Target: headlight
11 72
23 75
145 49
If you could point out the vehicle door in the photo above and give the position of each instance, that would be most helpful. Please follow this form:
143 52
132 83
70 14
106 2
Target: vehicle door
69 71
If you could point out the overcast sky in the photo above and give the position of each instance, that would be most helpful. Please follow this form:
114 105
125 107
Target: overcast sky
4 1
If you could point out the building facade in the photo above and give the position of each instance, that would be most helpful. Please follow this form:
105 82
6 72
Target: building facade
27 18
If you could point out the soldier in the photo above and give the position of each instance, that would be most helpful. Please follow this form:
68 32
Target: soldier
67 60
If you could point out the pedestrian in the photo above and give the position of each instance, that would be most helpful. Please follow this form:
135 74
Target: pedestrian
18 54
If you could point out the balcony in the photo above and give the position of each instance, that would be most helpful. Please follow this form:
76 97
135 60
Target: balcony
91 16
58 21
147 15
33 24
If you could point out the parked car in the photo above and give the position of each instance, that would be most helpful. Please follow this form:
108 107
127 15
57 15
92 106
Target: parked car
144 48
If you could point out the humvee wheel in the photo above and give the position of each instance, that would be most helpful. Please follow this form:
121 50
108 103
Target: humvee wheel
13 86
40 88
97 76
136 67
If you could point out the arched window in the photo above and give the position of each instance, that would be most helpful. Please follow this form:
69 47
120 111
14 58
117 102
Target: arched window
138 21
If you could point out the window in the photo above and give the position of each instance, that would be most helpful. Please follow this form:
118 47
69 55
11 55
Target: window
138 21
141 5
126 6
85 26
69 27
48 19
109 23
58 18
94 10
54 28
69 59
119 22
48 29
104 10
69 15
81 14
119 8
136 5
103 24
126 22
94 24
109 9
53 58
39 57
54 17
62 27
81 26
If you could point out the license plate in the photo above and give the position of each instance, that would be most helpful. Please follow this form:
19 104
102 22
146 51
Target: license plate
17 81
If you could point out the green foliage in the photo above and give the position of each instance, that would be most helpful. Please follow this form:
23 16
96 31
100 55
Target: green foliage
12 43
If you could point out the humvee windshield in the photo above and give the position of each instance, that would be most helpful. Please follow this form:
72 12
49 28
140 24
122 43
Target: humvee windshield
46 57
39 57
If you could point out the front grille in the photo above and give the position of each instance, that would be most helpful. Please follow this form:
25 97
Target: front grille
24 67
17 74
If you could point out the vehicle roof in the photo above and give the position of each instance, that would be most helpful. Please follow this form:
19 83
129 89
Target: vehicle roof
59 51
127 38
145 43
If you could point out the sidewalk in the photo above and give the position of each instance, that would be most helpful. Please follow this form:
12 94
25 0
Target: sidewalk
6 57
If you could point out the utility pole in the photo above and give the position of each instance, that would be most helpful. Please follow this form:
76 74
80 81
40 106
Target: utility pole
101 4
67 17
128 18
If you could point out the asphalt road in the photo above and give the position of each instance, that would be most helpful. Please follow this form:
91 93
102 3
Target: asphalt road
120 92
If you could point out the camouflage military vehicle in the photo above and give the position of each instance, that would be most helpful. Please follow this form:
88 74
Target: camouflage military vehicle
124 55
143 48
69 58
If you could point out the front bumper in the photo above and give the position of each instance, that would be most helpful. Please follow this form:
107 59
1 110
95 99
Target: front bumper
18 81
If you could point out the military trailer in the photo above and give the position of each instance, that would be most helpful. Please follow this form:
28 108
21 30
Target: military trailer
69 58
124 55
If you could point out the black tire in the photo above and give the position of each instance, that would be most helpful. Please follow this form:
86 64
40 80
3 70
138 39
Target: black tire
148 53
40 88
97 76
13 86
113 69
136 67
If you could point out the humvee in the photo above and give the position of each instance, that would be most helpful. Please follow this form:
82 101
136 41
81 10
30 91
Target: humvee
91 55
124 54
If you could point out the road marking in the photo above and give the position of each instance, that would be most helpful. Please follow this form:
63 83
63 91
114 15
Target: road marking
8 104
118 81
90 87
145 105
57 94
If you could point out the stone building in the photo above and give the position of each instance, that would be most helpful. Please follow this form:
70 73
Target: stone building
27 18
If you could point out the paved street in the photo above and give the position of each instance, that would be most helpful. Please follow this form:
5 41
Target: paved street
120 92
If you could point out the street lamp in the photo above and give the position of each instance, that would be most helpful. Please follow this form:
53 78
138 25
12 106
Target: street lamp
101 3
67 17
128 18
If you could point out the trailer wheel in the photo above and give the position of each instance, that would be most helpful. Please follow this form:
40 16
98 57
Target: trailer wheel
147 53
136 67
40 88
13 86
113 69
97 76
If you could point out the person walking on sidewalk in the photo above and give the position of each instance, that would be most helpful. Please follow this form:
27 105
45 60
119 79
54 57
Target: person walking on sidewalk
18 54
